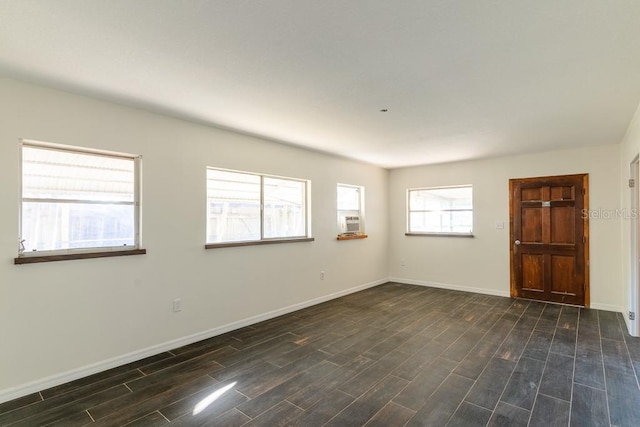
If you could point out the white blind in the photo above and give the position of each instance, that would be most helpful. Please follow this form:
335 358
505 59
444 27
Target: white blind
60 175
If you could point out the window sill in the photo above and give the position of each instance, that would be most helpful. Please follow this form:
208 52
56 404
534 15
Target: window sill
84 255
257 243
352 237
441 234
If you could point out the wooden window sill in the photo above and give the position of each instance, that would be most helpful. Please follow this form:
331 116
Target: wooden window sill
84 255
352 237
257 243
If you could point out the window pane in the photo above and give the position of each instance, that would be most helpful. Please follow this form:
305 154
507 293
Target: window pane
349 206
233 206
442 222
441 210
54 174
441 199
56 226
284 203
348 198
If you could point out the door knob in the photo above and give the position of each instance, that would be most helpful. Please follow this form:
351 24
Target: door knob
517 242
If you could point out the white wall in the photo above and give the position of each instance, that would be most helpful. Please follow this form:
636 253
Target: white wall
482 263
65 319
629 150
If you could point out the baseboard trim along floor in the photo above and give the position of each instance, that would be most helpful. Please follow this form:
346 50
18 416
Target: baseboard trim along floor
65 377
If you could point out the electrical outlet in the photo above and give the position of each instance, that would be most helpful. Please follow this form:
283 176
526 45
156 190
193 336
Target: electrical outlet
402 263
177 305
322 275
632 315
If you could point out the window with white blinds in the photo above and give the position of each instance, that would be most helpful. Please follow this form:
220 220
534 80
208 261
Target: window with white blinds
75 199
246 207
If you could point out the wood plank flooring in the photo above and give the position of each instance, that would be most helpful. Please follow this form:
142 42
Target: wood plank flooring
392 355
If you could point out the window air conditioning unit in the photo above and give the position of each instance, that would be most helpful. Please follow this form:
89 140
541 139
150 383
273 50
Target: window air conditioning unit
352 224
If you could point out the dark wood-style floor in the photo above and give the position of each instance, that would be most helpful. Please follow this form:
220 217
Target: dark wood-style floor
392 355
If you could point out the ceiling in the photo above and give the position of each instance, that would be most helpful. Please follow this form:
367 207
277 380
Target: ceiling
460 79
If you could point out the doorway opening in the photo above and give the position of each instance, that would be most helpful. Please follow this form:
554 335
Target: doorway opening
634 262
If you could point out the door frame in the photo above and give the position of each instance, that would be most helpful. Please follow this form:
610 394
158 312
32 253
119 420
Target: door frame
634 261
585 219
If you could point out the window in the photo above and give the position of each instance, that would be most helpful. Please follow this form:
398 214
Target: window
247 207
350 209
76 200
445 210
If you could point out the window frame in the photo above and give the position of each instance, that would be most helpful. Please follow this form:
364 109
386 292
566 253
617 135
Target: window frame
361 212
29 257
409 232
263 240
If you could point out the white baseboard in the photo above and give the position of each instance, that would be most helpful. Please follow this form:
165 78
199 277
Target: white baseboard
74 374
596 306
607 307
451 287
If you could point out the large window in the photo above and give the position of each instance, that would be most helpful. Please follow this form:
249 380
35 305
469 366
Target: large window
77 200
445 210
247 207
350 209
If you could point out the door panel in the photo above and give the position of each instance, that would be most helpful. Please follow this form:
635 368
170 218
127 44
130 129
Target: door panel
549 238
562 193
563 274
531 194
533 272
531 225
562 220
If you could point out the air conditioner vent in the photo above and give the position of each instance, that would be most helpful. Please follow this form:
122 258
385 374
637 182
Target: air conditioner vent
352 224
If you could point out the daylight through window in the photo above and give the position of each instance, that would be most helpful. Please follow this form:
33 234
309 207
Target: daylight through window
350 209
75 199
245 207
445 210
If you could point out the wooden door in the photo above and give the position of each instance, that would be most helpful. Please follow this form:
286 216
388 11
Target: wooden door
549 228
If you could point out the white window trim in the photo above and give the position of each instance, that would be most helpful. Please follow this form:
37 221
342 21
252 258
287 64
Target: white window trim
87 151
265 240
435 233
